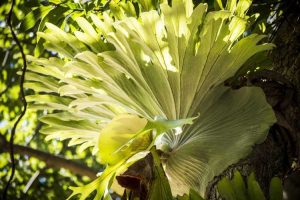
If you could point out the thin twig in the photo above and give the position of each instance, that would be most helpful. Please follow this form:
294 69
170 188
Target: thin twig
22 96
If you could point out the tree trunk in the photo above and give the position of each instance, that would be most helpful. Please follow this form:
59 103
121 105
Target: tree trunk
279 155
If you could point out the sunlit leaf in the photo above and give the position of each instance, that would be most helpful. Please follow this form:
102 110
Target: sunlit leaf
31 19
119 132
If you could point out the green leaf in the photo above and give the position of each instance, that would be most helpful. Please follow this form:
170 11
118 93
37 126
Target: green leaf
231 5
89 36
103 183
234 189
54 16
184 197
118 133
275 191
117 11
194 195
231 122
127 134
34 16
148 5
226 190
162 125
220 4
50 101
242 7
128 8
254 190
239 186
160 187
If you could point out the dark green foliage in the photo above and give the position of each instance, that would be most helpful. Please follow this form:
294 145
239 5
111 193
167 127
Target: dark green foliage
192 196
238 189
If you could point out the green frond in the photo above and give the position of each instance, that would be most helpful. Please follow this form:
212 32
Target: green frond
231 121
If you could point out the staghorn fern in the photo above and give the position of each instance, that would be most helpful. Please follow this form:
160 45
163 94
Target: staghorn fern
123 85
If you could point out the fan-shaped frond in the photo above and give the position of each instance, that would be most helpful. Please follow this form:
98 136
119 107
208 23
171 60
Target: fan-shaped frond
168 64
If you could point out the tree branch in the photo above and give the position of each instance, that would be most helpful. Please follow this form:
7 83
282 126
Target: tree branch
51 160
